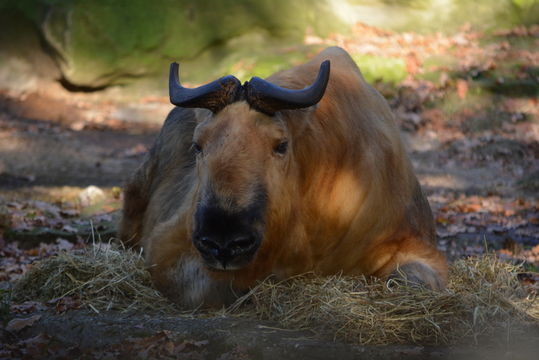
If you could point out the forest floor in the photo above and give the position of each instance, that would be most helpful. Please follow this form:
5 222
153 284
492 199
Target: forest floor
469 113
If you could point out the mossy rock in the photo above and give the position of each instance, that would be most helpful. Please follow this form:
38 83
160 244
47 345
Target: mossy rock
101 42
256 53
22 62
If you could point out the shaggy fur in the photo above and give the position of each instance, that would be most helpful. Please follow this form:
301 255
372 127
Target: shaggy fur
342 199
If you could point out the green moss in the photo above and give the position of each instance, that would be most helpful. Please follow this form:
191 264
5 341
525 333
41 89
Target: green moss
254 54
379 68
434 66
511 78
444 15
475 98
103 42
477 111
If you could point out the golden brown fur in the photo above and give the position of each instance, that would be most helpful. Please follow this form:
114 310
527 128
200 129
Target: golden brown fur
343 199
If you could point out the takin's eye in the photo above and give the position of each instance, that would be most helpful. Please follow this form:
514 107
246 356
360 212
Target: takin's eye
281 147
196 148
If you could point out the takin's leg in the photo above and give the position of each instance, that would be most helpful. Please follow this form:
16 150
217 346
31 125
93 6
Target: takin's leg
134 207
170 150
415 263
179 272
136 198
189 285
417 274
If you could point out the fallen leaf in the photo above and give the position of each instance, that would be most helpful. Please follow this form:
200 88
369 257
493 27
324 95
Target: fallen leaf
21 323
64 244
528 278
69 213
201 343
462 88
169 347
69 228
15 205
28 307
65 303
137 150
46 207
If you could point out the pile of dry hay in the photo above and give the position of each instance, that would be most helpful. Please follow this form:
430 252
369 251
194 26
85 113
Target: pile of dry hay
104 277
484 297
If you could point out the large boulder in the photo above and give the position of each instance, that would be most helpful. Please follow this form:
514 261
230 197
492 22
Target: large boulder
99 43
102 42
22 60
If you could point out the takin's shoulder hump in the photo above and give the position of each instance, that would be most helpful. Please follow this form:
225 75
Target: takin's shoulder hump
339 58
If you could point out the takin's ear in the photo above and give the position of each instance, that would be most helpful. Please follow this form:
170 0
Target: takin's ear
297 120
202 115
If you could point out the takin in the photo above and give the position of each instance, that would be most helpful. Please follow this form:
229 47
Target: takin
278 177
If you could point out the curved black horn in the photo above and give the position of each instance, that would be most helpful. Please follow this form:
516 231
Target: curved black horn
213 96
269 98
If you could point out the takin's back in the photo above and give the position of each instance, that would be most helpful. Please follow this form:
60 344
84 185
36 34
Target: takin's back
364 204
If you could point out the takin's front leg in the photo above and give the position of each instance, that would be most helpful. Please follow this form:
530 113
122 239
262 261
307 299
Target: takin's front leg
189 284
179 272
136 198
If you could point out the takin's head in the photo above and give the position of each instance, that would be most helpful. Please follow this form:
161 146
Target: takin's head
243 150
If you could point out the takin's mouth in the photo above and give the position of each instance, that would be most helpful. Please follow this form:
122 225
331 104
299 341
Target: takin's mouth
227 255
219 263
222 268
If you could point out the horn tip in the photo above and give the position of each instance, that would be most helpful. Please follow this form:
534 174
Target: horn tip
174 73
174 68
326 64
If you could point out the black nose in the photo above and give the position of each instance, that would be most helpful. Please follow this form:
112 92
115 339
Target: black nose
226 251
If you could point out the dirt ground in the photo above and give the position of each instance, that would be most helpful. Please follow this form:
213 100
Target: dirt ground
476 153
86 335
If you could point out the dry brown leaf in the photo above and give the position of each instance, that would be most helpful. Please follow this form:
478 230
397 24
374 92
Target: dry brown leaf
462 88
21 323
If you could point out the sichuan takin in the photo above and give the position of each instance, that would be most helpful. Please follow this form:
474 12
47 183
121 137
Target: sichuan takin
301 172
